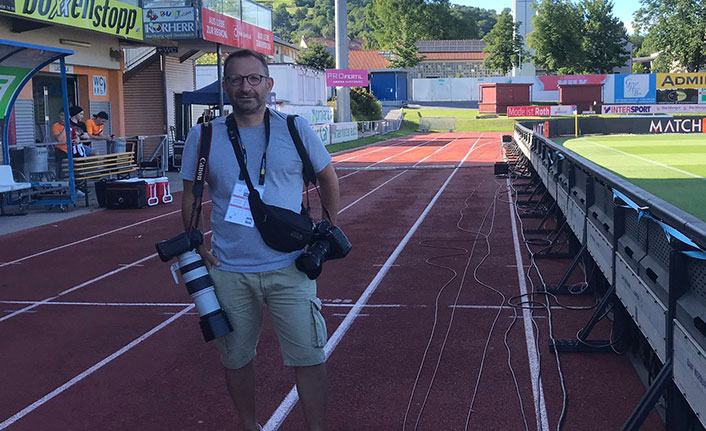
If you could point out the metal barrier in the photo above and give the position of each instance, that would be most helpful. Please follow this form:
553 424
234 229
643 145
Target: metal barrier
158 148
652 254
437 123
378 127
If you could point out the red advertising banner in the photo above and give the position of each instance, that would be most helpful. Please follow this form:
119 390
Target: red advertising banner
541 111
529 111
229 31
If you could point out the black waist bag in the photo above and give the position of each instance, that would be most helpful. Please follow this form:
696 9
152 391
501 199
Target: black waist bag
280 228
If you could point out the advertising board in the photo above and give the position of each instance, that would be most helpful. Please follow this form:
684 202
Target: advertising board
230 31
312 114
170 23
637 89
540 111
653 109
346 78
343 132
109 16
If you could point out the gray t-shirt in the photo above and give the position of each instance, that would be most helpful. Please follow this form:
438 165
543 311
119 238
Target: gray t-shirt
241 248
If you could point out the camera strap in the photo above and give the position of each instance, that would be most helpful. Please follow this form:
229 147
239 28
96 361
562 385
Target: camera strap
309 174
200 176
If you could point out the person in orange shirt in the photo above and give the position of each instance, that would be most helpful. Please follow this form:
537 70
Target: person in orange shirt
94 126
58 132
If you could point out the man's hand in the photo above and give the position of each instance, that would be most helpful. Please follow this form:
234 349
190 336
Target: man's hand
208 258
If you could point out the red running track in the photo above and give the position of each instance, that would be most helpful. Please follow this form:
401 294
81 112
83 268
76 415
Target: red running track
96 335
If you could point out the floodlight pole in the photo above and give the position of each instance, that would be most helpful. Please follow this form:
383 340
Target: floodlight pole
219 69
343 98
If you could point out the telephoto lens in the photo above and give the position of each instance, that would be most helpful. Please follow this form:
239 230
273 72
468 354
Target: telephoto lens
213 321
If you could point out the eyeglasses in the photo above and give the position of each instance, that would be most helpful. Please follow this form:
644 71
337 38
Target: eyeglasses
253 79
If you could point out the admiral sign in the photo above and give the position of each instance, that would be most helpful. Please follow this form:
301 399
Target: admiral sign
106 16
670 81
170 23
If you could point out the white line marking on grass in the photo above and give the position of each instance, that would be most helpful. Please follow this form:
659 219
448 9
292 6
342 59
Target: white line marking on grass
24 412
290 400
644 159
16 261
540 408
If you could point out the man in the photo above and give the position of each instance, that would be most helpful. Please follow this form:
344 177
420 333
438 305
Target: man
246 272
94 128
77 125
59 134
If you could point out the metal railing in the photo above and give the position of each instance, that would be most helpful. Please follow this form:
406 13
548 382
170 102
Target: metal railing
651 253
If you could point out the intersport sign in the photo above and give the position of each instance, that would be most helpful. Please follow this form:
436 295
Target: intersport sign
653 109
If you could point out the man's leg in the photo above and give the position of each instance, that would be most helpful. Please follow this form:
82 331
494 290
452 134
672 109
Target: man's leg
312 385
241 386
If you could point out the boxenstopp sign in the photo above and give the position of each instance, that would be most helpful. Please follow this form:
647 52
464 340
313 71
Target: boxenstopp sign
106 16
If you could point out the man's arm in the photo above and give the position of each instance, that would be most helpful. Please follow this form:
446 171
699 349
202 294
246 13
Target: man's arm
187 205
328 184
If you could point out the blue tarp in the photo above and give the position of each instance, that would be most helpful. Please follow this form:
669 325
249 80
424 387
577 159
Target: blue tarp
207 95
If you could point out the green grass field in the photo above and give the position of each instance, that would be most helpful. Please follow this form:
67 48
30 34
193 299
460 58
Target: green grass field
670 166
466 120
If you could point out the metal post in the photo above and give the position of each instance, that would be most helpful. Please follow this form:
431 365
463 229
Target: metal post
343 98
219 67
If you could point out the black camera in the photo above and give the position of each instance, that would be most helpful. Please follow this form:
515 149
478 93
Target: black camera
213 320
329 243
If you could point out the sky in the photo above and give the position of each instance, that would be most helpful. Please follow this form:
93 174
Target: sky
623 9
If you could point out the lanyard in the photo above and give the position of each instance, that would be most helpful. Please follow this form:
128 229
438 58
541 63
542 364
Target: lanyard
234 135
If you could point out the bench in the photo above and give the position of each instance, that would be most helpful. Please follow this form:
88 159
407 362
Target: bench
8 185
119 165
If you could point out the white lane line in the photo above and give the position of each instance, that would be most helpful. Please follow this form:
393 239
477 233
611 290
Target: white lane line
30 408
16 261
103 304
292 397
84 284
79 286
540 408
644 159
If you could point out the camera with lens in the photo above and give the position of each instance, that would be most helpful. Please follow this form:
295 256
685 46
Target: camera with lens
329 243
213 320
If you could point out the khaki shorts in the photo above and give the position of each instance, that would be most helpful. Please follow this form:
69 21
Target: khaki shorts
294 308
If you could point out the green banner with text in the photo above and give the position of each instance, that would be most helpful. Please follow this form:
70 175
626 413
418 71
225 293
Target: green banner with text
106 16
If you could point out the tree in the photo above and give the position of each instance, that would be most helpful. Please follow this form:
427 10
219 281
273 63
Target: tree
405 54
282 22
463 24
556 39
604 37
504 45
396 22
676 28
317 56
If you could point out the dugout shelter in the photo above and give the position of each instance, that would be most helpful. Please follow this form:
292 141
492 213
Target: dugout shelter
19 62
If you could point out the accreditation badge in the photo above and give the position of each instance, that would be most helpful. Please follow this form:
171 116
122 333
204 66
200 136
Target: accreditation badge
239 207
